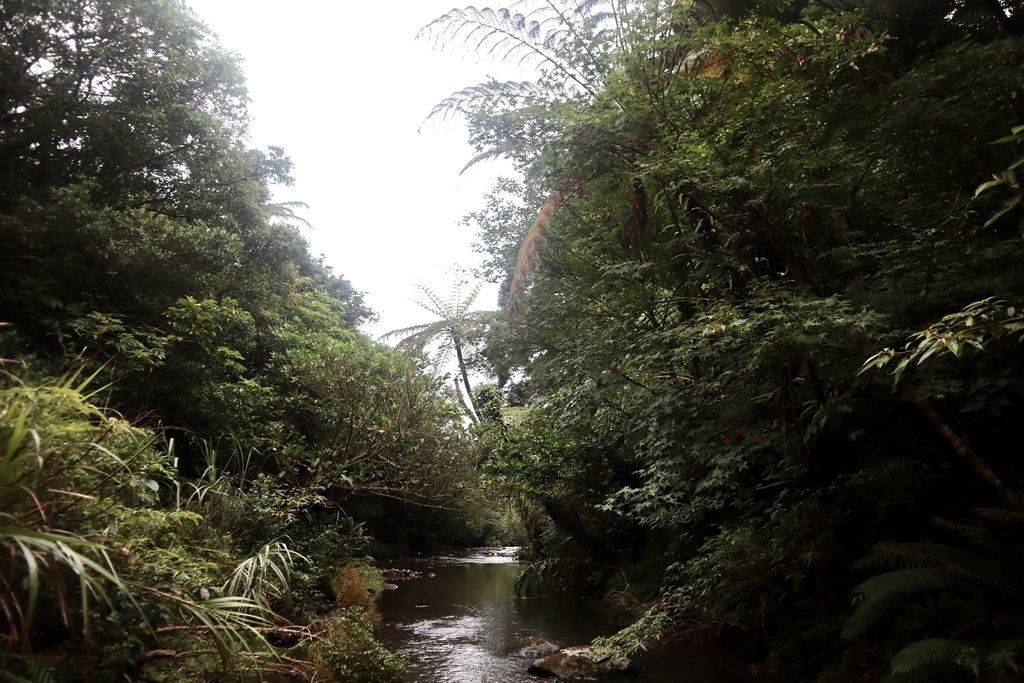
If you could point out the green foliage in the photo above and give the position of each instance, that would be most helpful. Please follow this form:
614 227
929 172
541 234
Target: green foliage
264 576
140 238
965 589
369 422
741 207
926 660
1006 181
38 428
85 564
347 651
978 323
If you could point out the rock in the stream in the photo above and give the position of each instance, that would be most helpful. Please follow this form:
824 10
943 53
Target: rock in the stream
538 647
575 663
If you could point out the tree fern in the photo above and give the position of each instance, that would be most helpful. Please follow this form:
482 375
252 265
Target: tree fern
454 326
461 101
534 33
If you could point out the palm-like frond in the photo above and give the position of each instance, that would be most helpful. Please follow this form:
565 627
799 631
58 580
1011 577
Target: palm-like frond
526 261
882 596
455 322
264 575
525 32
40 551
978 576
924 660
234 622
565 40
285 212
42 430
512 92
421 336
482 156
971 565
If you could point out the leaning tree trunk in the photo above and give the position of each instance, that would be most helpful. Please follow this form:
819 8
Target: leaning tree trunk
962 447
473 413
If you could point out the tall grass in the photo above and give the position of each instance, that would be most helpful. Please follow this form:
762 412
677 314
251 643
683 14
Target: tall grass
35 424
62 464
264 576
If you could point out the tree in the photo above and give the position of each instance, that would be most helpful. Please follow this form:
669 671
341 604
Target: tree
456 328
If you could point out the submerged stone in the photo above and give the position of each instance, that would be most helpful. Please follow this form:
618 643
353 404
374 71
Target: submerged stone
576 663
538 647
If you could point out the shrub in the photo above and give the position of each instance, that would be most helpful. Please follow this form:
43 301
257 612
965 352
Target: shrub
353 592
347 651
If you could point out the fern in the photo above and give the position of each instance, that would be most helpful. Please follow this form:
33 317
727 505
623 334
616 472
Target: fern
463 100
915 555
883 596
969 590
535 33
922 660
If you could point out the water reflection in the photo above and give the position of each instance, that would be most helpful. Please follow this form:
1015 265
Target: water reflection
460 620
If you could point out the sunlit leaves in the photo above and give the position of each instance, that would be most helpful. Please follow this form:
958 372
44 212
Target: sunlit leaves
954 334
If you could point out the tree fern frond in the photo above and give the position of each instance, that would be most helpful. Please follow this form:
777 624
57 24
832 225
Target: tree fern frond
441 358
504 34
961 529
486 31
403 333
462 99
455 323
483 156
462 308
526 261
925 554
286 212
923 660
882 596
1014 647
435 304
418 341
1003 520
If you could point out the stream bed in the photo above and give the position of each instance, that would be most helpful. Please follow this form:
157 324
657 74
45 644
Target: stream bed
458 620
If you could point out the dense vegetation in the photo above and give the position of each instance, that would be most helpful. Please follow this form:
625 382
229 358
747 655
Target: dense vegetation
758 356
763 281
195 441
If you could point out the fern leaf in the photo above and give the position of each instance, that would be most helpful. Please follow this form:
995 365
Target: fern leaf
464 99
923 660
925 554
489 154
884 595
404 333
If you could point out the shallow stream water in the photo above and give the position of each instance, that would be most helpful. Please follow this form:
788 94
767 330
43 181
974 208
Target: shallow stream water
459 621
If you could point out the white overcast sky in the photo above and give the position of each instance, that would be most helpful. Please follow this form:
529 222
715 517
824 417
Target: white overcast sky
343 87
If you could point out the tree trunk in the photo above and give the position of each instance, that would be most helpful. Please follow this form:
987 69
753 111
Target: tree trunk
474 414
962 447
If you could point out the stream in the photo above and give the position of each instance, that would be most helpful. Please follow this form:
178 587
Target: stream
459 620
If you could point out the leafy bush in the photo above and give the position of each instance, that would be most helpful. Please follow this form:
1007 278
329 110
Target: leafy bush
346 650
